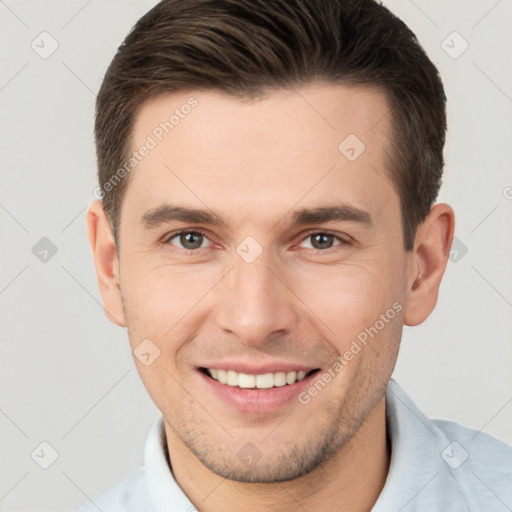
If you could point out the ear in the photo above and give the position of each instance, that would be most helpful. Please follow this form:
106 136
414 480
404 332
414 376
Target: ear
101 240
427 263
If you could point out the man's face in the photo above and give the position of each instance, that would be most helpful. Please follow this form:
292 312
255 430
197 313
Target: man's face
265 291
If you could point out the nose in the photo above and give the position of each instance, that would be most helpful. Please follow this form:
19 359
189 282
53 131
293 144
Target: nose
256 305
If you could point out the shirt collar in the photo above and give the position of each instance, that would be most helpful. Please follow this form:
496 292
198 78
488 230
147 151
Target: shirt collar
163 489
418 478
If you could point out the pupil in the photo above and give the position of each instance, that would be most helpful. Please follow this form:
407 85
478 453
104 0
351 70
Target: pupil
324 241
191 240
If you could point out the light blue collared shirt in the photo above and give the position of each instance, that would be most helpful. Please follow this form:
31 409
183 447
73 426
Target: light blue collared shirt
435 465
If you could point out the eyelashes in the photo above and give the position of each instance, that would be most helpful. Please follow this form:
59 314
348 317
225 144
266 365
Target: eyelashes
185 232
305 237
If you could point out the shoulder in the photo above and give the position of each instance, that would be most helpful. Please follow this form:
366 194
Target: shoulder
476 459
477 440
441 465
127 495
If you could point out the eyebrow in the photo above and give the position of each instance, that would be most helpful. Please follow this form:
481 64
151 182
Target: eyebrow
340 213
167 213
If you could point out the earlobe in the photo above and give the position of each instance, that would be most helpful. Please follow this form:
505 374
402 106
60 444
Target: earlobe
427 264
106 262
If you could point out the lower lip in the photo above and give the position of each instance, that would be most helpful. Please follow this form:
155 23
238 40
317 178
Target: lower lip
256 400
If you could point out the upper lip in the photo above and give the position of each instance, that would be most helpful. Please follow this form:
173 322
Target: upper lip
259 369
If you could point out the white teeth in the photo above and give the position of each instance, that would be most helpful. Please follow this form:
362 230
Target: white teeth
262 381
232 379
280 379
246 381
291 377
222 377
265 381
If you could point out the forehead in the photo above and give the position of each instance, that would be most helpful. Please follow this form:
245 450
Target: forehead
324 142
320 112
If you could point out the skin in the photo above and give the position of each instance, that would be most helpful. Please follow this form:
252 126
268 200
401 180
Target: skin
253 163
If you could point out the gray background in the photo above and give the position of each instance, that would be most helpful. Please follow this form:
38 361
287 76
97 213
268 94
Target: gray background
66 373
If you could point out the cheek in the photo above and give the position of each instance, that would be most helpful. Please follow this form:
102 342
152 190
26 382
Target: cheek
347 298
166 303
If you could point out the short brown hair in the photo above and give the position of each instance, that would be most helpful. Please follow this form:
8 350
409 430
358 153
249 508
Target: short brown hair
247 47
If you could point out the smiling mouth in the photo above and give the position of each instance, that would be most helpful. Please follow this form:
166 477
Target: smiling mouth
261 381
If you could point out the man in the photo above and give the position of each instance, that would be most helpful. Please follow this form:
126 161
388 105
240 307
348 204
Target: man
268 173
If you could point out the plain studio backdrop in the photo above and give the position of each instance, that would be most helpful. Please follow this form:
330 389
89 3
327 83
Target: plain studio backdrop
67 376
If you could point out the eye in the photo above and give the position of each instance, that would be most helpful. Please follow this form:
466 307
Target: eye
189 240
322 241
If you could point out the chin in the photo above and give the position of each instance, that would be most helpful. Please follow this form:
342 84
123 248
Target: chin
253 465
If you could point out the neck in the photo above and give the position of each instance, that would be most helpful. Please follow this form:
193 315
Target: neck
351 480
